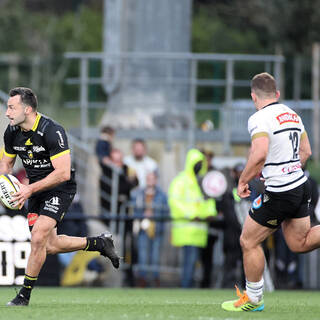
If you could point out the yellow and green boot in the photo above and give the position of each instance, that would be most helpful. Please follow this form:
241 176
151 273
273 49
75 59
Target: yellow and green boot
242 304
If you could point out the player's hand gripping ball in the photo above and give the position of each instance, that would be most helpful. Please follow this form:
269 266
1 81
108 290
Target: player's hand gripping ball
8 187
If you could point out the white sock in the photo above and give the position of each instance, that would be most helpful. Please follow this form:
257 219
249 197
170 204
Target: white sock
254 290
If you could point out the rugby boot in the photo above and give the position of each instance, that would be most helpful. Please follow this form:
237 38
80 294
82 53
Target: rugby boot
19 301
108 249
242 304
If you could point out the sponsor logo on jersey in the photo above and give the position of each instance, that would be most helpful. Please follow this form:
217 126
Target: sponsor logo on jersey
38 148
257 202
37 163
309 203
287 117
30 154
292 168
55 201
52 205
28 142
60 141
273 222
17 148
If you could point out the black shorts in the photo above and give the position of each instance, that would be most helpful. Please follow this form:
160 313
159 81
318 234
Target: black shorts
270 209
52 203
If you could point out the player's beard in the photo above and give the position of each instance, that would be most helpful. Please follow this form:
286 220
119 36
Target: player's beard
18 120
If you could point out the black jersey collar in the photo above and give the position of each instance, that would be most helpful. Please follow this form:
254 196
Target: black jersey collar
270 104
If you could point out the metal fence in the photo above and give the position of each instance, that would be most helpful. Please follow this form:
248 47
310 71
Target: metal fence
149 82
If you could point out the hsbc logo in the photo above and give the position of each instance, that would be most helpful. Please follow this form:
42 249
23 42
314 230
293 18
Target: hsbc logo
18 148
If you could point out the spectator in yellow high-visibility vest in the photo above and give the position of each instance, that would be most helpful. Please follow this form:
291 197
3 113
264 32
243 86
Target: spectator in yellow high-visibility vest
189 210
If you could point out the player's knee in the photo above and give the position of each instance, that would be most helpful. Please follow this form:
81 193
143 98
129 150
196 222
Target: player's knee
244 243
247 243
51 249
38 240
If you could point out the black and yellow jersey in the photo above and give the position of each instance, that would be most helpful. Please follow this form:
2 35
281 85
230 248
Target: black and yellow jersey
46 141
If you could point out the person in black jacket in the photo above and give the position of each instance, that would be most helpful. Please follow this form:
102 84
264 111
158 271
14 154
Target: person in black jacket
116 169
126 182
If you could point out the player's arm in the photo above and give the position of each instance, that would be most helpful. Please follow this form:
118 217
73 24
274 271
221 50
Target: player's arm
305 148
6 164
7 153
60 174
256 160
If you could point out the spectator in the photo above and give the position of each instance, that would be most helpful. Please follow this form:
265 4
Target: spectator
150 202
188 209
140 161
103 151
314 197
286 264
125 184
231 245
207 251
234 210
104 144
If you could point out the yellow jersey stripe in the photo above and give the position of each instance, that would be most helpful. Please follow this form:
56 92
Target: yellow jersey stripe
9 154
60 154
259 135
35 125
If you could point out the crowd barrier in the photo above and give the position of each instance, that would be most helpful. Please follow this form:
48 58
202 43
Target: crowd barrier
15 248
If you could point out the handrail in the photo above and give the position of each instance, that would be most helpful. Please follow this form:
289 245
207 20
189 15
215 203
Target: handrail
177 55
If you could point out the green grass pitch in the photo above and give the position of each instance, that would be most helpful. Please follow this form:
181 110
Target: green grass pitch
153 304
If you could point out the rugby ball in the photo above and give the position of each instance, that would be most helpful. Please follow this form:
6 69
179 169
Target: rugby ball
8 187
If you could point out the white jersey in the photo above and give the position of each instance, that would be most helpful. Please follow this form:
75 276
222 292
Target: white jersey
142 168
282 169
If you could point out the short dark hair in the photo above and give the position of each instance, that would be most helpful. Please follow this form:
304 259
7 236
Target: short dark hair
139 140
107 130
264 85
27 96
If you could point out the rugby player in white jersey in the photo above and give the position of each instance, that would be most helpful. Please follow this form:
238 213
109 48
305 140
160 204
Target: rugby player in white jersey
279 148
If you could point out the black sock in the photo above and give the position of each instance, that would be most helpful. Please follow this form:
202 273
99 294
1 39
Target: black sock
94 244
28 284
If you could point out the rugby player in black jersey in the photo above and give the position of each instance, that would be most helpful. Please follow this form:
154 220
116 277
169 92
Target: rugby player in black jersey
43 148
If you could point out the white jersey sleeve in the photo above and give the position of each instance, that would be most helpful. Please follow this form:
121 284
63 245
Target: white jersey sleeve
257 126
